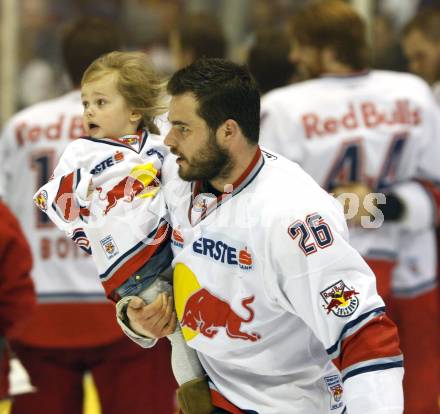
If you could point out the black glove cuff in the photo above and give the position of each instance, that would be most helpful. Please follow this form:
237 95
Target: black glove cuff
393 209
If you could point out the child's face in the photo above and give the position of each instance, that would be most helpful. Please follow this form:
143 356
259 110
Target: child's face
106 113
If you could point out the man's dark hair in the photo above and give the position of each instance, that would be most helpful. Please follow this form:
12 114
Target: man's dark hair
333 24
202 34
427 21
224 90
84 41
268 60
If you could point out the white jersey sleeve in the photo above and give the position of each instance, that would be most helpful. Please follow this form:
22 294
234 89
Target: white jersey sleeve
420 205
324 281
64 196
364 393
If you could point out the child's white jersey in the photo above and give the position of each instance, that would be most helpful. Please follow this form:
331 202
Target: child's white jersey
380 128
270 293
124 220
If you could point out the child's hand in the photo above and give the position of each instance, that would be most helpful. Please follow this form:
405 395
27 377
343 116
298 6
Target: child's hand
154 320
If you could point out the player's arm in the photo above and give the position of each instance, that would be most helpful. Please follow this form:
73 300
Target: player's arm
415 203
335 295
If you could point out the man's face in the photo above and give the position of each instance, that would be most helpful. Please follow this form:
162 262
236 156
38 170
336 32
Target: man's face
307 59
200 157
423 56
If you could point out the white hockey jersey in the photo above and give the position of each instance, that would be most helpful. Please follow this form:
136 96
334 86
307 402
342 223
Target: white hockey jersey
281 309
30 146
124 219
377 127
72 308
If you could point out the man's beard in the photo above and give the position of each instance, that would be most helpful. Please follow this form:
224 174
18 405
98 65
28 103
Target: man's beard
208 163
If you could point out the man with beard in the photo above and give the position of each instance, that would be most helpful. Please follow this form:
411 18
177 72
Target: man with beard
359 131
282 311
421 45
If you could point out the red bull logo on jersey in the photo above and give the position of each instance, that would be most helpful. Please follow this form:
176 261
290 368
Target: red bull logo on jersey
340 300
177 237
222 252
108 162
206 313
335 389
109 246
141 182
41 200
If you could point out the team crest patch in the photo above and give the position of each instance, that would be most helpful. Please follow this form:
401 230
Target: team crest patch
109 246
335 389
340 300
199 204
269 156
41 200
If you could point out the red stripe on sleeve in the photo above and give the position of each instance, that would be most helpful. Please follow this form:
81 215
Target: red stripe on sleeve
221 402
64 198
377 339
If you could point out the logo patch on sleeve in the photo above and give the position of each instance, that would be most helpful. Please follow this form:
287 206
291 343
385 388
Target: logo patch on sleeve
109 246
335 389
41 200
340 300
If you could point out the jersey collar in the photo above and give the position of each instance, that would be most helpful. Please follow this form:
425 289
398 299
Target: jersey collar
351 75
134 142
205 203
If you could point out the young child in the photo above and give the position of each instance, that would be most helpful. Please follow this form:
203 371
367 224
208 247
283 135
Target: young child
105 194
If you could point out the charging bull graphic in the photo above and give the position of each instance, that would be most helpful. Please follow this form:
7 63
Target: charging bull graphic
142 179
205 313
340 300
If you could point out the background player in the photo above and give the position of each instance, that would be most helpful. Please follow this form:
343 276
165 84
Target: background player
421 45
73 330
360 131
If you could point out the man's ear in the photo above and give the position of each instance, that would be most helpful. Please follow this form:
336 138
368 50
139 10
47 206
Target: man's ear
229 130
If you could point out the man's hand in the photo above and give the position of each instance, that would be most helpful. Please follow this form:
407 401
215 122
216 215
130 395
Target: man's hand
155 320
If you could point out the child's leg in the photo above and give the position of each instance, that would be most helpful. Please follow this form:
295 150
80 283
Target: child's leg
193 395
184 360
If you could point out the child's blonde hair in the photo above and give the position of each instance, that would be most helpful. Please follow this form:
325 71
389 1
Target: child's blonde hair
138 82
